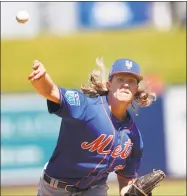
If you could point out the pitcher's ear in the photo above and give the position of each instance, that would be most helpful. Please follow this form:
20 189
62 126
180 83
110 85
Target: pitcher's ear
108 84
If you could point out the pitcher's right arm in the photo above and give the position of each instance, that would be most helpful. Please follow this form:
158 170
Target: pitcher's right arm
42 82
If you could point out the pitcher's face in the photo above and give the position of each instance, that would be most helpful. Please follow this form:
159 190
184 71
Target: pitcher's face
123 87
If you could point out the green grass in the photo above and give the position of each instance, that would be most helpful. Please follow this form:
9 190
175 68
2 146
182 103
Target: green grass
167 188
70 59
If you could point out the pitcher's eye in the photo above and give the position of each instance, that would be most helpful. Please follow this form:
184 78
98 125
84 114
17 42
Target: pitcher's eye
120 79
131 81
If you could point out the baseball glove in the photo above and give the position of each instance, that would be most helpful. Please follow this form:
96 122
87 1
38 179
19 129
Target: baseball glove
145 184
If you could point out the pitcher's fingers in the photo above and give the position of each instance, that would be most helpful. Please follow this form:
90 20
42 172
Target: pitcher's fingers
33 74
35 61
36 77
35 66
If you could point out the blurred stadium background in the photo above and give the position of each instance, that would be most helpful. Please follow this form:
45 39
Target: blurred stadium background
67 37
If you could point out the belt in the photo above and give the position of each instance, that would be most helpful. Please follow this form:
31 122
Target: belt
63 185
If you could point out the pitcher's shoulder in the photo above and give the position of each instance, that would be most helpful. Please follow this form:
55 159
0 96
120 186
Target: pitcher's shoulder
97 100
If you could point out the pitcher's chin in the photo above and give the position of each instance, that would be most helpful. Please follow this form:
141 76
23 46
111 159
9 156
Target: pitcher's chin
125 99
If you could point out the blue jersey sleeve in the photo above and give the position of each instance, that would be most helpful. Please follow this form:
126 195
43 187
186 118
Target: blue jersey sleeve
132 167
73 104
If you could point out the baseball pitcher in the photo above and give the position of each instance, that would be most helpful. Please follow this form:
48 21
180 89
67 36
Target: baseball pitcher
97 134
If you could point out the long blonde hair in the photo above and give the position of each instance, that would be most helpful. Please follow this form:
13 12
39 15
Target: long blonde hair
97 87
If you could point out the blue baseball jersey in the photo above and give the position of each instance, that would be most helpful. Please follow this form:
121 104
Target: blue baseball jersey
92 142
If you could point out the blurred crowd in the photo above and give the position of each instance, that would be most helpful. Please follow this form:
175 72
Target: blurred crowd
168 14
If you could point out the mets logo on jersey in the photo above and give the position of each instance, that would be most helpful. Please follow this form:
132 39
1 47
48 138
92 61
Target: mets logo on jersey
103 141
72 97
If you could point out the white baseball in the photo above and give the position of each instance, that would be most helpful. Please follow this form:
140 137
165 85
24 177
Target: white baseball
22 16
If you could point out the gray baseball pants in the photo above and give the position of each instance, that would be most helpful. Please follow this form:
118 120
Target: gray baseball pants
44 189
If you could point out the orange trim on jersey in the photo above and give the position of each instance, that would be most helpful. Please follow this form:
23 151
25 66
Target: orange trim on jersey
106 154
131 126
91 171
114 130
102 173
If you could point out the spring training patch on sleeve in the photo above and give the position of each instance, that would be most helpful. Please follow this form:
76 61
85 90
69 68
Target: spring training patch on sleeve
72 98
